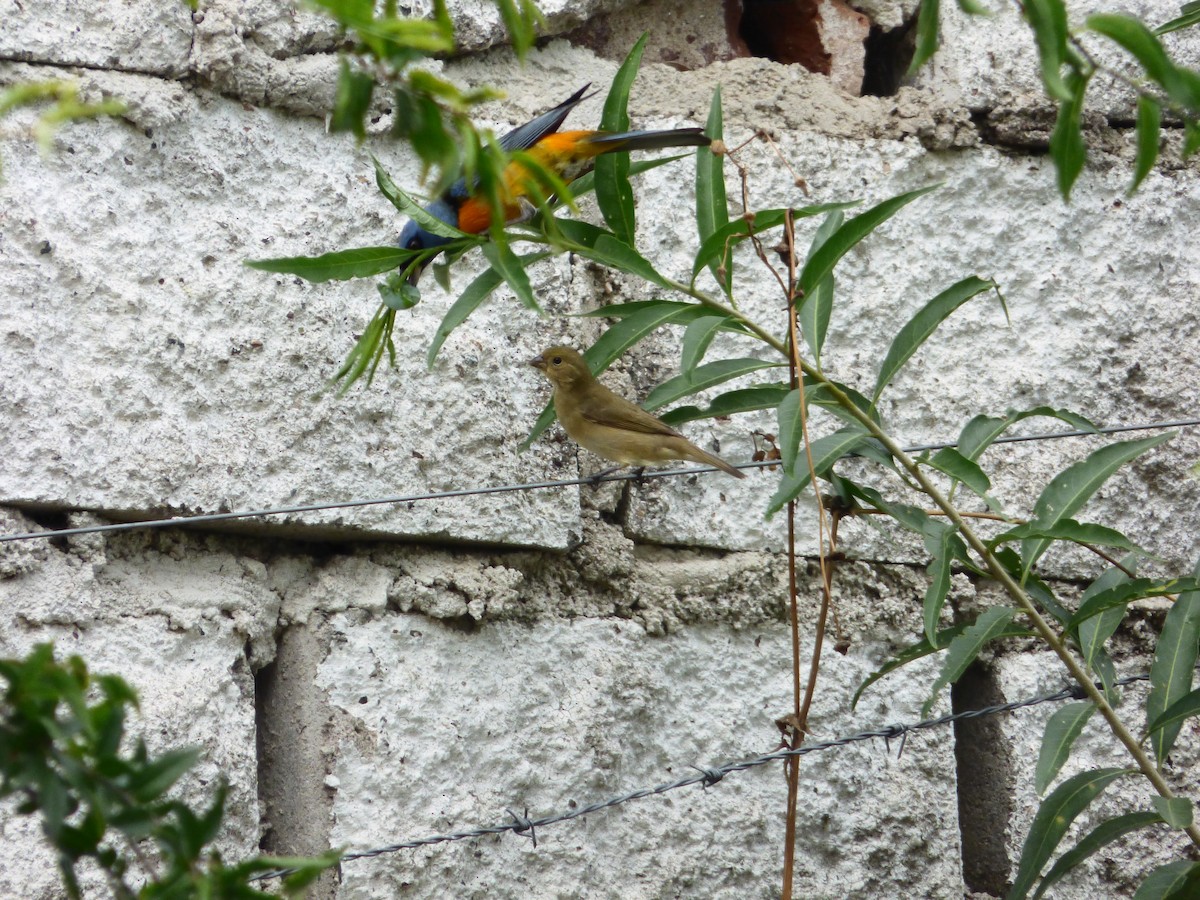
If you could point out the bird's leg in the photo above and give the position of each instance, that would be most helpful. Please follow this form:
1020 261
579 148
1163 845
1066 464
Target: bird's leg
599 476
639 476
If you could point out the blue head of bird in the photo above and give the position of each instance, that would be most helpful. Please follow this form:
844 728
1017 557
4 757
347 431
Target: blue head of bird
414 237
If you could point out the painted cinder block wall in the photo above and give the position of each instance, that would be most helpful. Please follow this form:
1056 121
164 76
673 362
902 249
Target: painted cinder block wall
371 675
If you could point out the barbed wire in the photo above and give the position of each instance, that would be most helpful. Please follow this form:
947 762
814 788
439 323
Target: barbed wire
707 777
180 521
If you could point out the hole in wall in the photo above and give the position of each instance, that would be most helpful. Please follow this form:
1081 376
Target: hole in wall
983 768
786 31
888 56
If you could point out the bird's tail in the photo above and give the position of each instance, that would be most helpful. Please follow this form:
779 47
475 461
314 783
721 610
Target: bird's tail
650 140
703 456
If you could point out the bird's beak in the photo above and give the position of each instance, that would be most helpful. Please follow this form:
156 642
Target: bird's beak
537 362
414 274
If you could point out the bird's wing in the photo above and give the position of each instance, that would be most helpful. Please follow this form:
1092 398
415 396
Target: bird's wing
603 407
525 136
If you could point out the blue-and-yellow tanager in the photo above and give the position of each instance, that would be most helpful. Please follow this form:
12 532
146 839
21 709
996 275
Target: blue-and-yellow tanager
566 153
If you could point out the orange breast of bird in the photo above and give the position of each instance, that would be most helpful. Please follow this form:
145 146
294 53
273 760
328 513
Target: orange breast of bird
568 154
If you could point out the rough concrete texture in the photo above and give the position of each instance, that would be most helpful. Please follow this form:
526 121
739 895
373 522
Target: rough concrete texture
560 715
370 675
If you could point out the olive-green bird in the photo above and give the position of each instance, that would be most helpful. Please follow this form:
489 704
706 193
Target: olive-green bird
608 424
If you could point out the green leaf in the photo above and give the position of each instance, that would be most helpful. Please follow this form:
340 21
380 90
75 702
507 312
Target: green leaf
1074 486
1062 729
1134 589
696 339
615 254
152 781
470 299
1172 671
913 518
520 18
586 183
1053 818
1139 41
1067 148
938 544
1095 632
993 623
1179 880
952 463
1149 118
1190 17
1070 530
411 207
922 649
790 429
1184 708
841 241
340 266
353 99
760 396
927 36
1191 139
507 263
739 229
712 209
703 377
816 310
1176 811
613 192
825 452
398 293
1099 837
1048 18
982 431
918 329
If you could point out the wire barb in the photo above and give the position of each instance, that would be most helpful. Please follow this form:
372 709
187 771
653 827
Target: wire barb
708 776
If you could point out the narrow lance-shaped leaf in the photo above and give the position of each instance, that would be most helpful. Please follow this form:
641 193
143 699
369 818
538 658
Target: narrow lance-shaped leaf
1070 530
353 99
613 192
825 452
927 35
1184 708
362 262
712 209
924 648
696 339
1099 837
1149 120
1067 148
1073 487
470 299
790 430
1138 40
1048 18
853 231
952 463
1093 633
507 263
1175 811
918 329
1134 589
938 570
816 309
979 434
1062 728
1190 17
1053 818
702 377
1173 669
750 399
963 650
410 207
1178 880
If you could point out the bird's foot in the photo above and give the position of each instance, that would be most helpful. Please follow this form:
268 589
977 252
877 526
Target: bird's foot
603 473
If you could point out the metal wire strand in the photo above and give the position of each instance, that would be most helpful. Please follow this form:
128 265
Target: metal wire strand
179 521
708 776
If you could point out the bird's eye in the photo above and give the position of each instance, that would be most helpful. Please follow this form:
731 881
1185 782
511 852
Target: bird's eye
414 243
557 360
